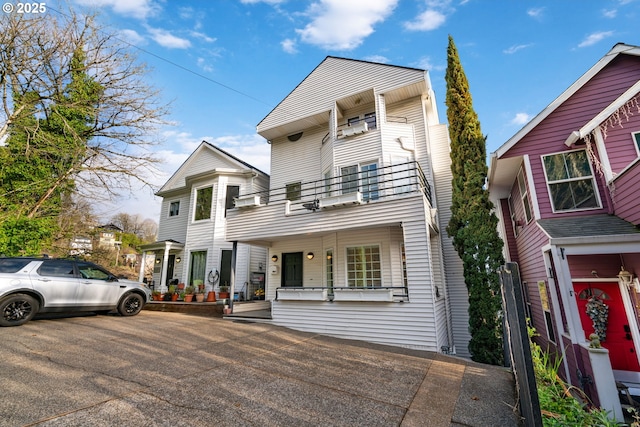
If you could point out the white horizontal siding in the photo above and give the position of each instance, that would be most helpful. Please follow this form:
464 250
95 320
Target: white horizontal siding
318 91
457 293
297 161
175 227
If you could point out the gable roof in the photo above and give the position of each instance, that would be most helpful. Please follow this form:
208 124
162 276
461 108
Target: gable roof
231 162
309 103
618 49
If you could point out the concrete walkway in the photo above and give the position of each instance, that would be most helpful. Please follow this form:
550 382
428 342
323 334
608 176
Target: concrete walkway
172 369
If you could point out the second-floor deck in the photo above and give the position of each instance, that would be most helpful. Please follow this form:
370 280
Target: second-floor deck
376 195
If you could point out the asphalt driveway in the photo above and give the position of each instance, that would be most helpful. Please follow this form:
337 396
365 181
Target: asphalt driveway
169 369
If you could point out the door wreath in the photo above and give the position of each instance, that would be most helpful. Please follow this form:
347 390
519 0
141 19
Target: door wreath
598 311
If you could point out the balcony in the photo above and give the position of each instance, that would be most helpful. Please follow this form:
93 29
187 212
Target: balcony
377 183
374 194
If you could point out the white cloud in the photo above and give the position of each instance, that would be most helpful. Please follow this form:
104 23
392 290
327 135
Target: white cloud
262 1
594 38
343 25
521 119
425 63
289 45
132 37
428 20
377 58
202 36
612 13
513 49
202 63
536 12
166 39
139 9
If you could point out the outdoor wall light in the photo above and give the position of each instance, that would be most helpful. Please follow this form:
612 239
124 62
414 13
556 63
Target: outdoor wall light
178 260
625 277
157 260
274 258
310 255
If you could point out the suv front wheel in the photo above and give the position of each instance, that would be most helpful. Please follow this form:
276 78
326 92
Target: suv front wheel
131 304
17 309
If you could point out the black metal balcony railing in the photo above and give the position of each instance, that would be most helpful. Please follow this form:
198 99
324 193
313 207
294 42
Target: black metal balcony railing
374 182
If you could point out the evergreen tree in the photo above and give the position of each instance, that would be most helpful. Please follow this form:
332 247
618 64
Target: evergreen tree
473 225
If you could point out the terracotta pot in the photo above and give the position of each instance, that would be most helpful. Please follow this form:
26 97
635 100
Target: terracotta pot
199 297
211 296
223 295
180 286
188 298
227 311
174 297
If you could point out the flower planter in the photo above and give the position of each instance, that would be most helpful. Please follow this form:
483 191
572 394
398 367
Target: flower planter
356 294
188 298
211 296
301 294
223 295
174 297
199 297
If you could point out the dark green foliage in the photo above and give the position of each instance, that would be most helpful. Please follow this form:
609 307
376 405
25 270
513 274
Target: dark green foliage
45 149
473 225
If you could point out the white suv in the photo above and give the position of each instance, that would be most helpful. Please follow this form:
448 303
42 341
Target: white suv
38 285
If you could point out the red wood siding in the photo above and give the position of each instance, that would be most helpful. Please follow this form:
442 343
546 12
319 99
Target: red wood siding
619 142
626 189
579 109
606 265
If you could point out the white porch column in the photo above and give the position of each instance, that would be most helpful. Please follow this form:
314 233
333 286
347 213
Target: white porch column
604 382
142 265
165 267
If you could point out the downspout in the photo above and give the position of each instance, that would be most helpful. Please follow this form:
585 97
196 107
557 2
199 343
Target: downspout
232 277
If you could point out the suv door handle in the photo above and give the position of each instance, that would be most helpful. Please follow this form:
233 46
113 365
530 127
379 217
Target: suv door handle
44 280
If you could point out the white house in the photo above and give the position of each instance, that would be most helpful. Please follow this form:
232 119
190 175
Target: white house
191 246
356 210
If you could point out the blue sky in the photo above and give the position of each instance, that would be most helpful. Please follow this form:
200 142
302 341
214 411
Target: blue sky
225 64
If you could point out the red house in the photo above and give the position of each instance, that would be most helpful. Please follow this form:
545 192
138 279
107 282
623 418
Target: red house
567 191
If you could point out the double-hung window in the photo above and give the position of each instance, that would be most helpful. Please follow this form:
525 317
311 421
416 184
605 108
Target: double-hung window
174 208
636 139
364 266
294 191
204 199
570 181
524 195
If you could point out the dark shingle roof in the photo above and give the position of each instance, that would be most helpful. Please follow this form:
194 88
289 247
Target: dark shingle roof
583 226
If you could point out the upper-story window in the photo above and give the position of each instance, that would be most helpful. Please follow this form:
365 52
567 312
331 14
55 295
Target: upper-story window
204 198
636 139
369 118
233 191
570 181
294 191
524 195
174 208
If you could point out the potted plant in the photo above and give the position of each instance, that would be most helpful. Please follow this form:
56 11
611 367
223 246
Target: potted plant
172 292
188 293
200 295
224 291
156 295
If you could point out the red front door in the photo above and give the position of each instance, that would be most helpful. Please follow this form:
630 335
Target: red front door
618 339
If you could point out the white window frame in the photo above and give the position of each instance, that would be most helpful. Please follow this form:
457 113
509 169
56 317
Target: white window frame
368 280
635 136
195 203
524 196
177 211
592 177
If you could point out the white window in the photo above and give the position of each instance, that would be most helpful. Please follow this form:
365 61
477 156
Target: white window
364 266
512 214
524 195
174 208
204 198
329 269
570 181
636 139
294 191
363 178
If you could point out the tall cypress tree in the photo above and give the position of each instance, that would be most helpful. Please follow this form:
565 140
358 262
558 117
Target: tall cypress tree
473 225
